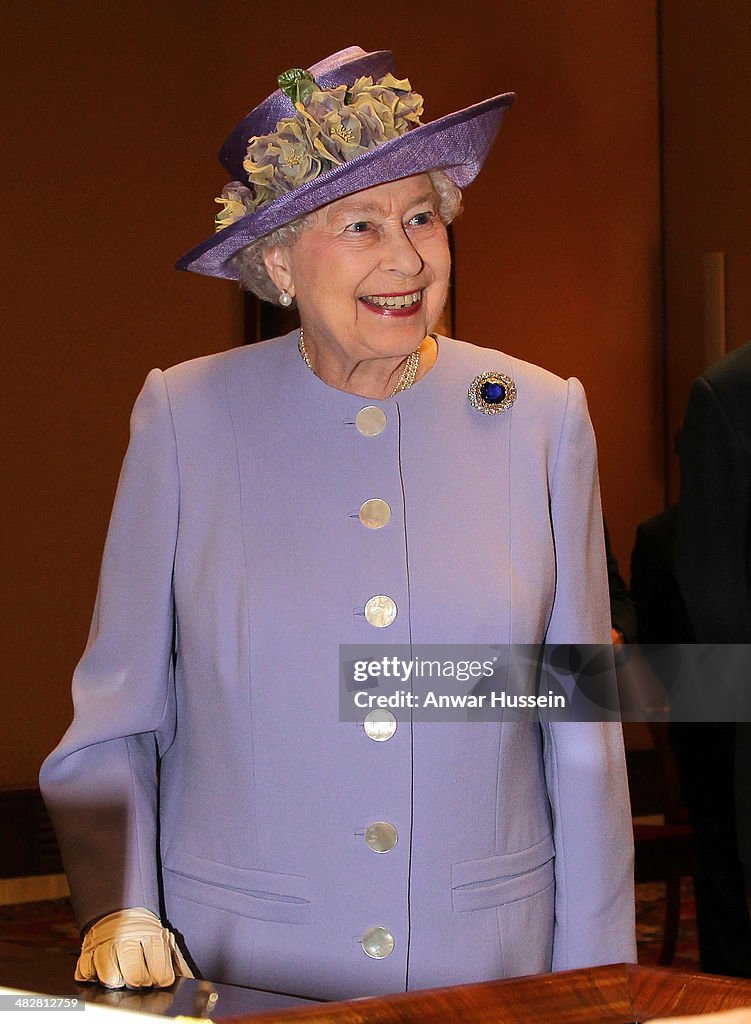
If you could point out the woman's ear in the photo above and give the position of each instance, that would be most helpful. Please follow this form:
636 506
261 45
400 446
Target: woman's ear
278 267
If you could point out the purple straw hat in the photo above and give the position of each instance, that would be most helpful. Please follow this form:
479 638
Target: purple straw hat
457 144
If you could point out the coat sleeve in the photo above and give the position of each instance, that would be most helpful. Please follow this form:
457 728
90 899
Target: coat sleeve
100 783
713 544
584 761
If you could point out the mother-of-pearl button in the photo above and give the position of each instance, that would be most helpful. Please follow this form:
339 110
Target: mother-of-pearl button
370 421
377 942
380 610
375 513
380 725
381 836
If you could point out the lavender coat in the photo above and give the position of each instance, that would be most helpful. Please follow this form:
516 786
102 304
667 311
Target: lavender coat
234 566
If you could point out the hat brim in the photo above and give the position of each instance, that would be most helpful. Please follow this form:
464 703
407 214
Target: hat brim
457 144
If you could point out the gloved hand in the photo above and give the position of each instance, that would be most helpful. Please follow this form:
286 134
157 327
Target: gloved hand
131 948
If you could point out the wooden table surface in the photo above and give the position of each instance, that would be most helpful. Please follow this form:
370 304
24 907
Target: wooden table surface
37 970
618 994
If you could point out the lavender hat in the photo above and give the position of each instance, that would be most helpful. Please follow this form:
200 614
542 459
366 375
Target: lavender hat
343 126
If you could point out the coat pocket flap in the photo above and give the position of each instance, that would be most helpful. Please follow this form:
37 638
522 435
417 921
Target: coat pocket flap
490 881
267 895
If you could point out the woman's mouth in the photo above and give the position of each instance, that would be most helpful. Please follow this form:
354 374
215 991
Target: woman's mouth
393 304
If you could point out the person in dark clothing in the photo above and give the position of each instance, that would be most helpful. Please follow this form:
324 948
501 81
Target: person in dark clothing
713 541
704 755
713 570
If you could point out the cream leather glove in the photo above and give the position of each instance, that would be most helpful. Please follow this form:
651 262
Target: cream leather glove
131 948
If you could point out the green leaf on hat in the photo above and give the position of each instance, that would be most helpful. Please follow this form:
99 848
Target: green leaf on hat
297 84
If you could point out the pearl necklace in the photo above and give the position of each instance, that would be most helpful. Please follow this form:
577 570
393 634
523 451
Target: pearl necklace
406 380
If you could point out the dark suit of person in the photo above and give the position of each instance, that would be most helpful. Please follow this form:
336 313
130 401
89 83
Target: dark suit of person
704 756
713 550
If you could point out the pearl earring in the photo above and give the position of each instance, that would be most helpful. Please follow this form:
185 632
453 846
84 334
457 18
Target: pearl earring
285 299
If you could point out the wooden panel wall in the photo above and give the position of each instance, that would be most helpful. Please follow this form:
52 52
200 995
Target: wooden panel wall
707 169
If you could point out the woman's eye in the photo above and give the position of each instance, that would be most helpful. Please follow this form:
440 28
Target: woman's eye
422 219
359 227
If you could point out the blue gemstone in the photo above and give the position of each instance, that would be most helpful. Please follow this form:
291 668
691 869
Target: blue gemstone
492 392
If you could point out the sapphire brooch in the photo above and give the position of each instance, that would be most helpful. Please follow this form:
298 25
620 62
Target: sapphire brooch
492 393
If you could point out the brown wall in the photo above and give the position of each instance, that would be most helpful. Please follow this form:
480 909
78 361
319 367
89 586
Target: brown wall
109 168
707 169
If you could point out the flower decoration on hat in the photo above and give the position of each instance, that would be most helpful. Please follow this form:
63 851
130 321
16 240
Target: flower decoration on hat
329 128
492 393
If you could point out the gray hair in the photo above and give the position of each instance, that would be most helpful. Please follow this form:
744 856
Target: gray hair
251 268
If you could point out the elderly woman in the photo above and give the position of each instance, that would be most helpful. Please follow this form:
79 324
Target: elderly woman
357 481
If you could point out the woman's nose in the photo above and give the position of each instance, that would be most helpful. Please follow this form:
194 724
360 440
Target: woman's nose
400 253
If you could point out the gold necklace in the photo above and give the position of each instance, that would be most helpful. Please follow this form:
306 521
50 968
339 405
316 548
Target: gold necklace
406 380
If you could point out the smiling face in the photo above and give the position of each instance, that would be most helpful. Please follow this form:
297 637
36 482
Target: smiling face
370 274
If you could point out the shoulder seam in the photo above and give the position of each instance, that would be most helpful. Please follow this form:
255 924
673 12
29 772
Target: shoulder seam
560 434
